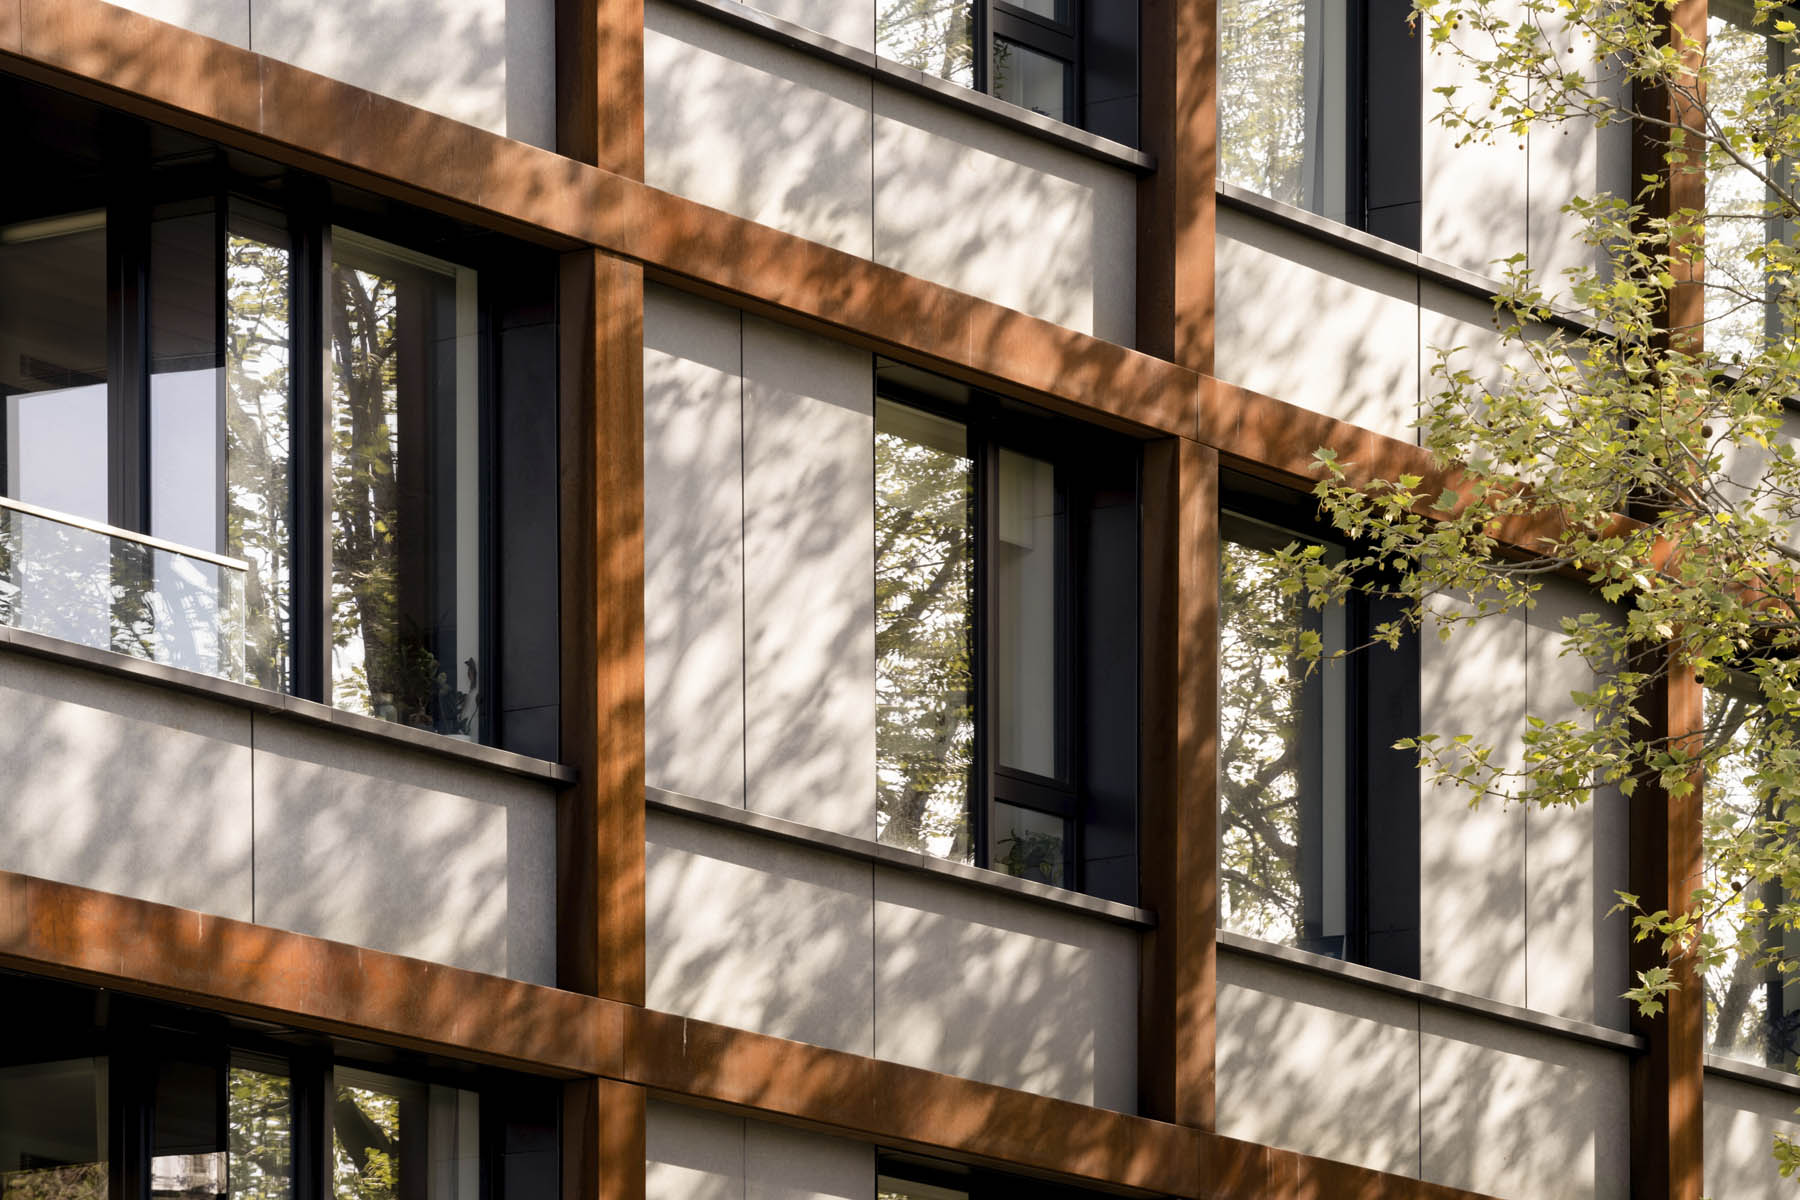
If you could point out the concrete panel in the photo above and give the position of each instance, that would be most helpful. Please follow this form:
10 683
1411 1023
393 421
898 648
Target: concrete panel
1741 1121
1576 957
761 934
1568 160
1472 860
226 20
1474 201
738 122
692 1154
124 787
786 1164
490 63
1318 1065
1744 466
402 851
1516 1113
1468 329
693 547
970 204
809 578
851 21
980 985
1317 326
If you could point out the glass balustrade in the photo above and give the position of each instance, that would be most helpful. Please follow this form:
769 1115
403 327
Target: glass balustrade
112 589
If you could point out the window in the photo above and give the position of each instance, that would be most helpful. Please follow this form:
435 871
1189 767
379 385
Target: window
1318 815
1319 108
249 431
914 1177
1741 298
1752 1012
189 1106
1006 585
1074 61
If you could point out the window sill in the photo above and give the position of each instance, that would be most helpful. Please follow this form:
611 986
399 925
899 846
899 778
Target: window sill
122 666
871 851
843 54
1375 249
1430 993
1731 1068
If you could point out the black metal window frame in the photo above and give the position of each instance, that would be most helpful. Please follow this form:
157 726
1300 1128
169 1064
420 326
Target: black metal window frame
139 1038
991 429
1381 785
305 213
996 19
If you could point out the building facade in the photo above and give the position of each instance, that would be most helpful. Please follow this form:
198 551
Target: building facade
668 598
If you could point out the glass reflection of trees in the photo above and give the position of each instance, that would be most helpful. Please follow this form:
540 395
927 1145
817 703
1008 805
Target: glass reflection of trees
925 732
1737 204
1262 97
1751 1012
933 36
1260 697
257 447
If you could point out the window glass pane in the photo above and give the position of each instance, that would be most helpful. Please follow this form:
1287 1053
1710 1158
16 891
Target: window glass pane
404 486
187 441
1736 312
396 1139
1282 826
53 1130
259 1114
187 1162
925 732
933 36
1750 1010
1026 684
1030 79
258 280
1283 89
1055 10
53 362
1029 844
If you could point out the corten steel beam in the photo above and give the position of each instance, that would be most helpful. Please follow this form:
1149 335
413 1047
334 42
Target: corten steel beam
1179 769
1667 857
1176 204
600 83
600 821
97 938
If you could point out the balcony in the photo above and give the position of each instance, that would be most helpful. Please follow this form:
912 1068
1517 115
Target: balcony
111 589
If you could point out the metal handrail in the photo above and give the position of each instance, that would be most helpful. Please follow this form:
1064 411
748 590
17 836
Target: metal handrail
62 518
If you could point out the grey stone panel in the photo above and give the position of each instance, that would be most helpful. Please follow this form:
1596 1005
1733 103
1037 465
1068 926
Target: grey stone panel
973 205
489 63
1316 325
124 787
754 933
1741 1120
1473 210
1521 1114
1472 883
740 123
693 547
983 986
809 578
692 1154
400 851
1317 1065
226 20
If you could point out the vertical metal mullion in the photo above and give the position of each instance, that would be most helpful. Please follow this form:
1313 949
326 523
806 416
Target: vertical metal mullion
309 605
1359 131
221 392
1070 551
986 534
127 366
984 45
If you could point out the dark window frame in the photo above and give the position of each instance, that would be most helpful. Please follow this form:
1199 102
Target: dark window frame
993 425
132 174
1382 791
